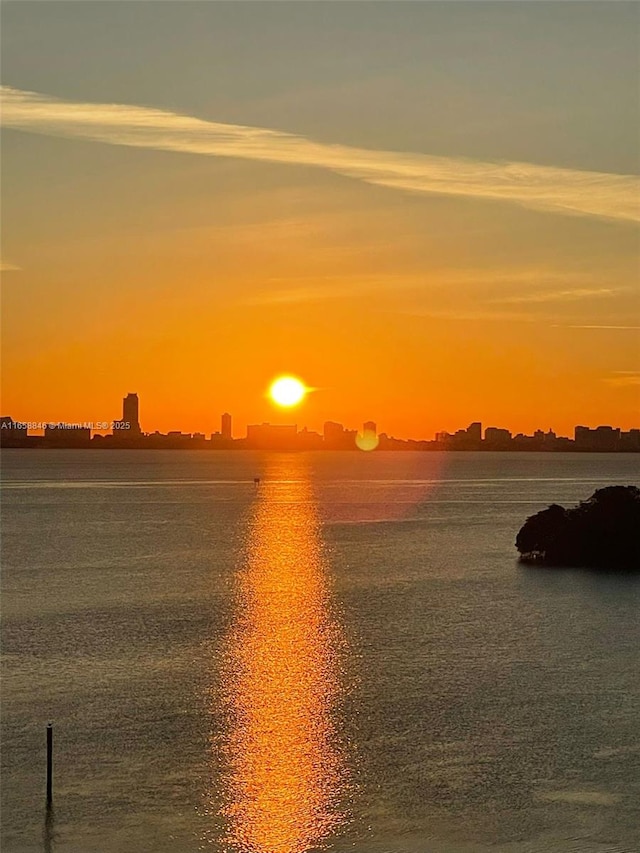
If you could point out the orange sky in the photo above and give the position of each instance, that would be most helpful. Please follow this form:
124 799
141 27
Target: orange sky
193 262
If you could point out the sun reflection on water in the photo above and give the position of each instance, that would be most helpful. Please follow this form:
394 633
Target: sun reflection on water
284 771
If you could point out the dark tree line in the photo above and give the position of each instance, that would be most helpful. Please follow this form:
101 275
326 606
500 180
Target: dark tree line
602 532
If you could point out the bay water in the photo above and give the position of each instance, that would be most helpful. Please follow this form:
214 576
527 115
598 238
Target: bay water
343 656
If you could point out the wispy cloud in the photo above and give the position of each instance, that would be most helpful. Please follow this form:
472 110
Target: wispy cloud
585 326
472 315
316 288
293 295
560 295
624 378
544 188
7 267
319 288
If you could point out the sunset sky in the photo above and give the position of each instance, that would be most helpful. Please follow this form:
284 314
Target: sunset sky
427 211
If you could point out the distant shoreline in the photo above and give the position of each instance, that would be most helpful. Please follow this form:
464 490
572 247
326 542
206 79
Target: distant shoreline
101 449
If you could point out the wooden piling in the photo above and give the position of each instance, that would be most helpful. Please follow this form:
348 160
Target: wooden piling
49 765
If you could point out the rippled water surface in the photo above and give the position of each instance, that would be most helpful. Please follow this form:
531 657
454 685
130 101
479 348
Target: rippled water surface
345 656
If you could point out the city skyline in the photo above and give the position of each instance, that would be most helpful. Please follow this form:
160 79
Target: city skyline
434 225
127 432
273 413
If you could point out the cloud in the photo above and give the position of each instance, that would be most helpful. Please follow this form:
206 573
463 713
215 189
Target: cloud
473 316
561 295
624 378
298 288
469 284
622 328
6 267
545 188
318 288
297 294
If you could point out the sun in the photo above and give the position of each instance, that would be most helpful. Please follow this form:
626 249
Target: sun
287 391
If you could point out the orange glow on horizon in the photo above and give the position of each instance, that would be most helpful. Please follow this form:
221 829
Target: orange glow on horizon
417 358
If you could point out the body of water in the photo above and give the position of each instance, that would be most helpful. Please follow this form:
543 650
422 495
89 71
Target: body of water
345 656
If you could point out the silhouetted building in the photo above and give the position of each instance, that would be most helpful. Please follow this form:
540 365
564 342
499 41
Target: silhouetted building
332 432
474 431
218 442
130 413
127 432
581 437
179 440
225 429
7 423
602 438
67 435
630 440
272 436
463 439
308 440
336 437
496 438
388 442
12 433
369 426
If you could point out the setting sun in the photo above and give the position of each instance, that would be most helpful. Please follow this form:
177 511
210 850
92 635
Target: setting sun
287 391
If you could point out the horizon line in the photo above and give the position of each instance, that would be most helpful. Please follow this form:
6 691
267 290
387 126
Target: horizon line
304 430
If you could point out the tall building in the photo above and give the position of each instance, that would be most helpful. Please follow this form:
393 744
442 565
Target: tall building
130 413
474 431
369 426
225 429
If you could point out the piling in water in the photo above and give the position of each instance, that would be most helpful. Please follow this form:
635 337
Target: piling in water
49 765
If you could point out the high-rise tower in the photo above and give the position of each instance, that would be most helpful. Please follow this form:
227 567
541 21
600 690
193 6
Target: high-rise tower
225 428
130 413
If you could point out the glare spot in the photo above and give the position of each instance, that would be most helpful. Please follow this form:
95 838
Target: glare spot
367 440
